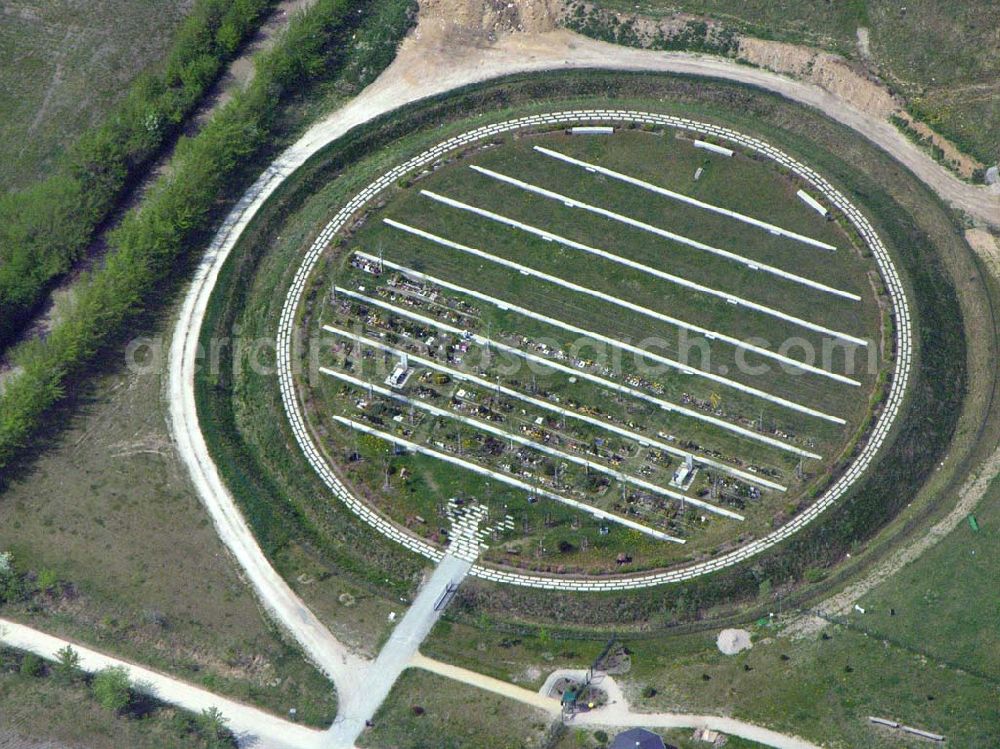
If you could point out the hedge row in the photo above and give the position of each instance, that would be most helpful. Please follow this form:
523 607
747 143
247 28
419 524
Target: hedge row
147 251
46 228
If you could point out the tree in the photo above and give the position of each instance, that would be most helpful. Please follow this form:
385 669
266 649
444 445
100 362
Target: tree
67 666
112 688
212 725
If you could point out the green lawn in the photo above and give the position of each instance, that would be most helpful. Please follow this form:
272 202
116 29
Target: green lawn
945 604
822 689
63 65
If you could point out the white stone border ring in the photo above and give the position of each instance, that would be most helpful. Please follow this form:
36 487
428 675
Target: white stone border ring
903 347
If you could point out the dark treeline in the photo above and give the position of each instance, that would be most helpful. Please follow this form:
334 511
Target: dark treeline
148 248
46 228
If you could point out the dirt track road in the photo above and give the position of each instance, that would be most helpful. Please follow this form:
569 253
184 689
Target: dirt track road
254 727
428 65
616 714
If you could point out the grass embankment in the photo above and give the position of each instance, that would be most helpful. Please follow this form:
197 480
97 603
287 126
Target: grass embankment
45 228
240 414
924 242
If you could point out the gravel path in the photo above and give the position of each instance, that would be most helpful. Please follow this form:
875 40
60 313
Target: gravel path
617 713
396 653
421 70
254 727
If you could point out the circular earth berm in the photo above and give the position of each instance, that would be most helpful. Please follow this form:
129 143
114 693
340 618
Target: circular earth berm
594 343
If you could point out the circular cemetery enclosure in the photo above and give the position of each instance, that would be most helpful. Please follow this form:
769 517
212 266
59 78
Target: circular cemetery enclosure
594 349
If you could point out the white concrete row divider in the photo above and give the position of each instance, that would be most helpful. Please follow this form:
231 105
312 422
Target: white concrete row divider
529 443
509 480
642 439
771 228
903 349
582 374
639 351
681 239
623 303
686 283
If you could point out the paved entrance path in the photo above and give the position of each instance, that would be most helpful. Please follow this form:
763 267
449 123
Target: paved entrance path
379 677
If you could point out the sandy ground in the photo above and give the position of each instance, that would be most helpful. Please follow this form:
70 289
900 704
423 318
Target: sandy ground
987 246
733 641
450 47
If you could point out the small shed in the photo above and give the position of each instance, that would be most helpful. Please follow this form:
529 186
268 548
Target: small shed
637 738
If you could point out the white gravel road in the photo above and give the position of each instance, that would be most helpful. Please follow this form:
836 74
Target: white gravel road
417 73
252 726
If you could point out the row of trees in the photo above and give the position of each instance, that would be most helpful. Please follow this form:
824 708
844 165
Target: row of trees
147 250
46 228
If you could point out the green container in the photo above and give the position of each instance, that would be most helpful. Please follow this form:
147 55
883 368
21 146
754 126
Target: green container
972 523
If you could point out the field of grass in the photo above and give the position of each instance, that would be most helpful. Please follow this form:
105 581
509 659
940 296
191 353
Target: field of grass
63 65
943 58
109 509
944 604
821 688
740 183
426 711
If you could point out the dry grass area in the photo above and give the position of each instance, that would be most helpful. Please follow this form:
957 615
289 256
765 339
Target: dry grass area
424 710
63 64
108 507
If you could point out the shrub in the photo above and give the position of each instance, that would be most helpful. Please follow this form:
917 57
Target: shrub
31 665
149 245
112 688
67 666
